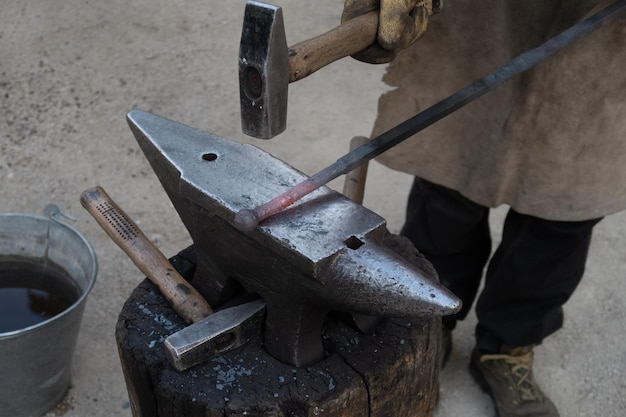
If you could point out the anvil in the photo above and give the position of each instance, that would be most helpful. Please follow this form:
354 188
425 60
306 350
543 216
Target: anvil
324 253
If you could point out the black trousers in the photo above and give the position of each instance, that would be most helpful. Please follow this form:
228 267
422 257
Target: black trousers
532 273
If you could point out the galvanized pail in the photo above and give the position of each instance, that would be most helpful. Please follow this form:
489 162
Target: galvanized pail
35 360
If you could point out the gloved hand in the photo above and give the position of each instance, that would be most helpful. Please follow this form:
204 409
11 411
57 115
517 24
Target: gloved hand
400 24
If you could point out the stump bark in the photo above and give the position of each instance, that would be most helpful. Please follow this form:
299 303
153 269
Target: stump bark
389 372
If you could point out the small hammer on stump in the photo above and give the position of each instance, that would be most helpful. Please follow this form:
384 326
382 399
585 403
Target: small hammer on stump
267 65
209 333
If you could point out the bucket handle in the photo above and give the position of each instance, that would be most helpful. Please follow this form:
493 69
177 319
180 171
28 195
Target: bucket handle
54 213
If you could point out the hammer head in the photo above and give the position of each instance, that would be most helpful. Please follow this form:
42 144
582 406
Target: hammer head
263 71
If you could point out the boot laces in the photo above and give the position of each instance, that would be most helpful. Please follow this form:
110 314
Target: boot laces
521 371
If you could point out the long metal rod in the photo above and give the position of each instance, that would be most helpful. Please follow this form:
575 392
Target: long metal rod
249 219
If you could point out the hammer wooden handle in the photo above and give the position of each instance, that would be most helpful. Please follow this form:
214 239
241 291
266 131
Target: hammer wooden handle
354 184
183 298
346 39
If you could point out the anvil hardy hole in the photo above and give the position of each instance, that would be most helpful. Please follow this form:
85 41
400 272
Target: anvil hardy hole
210 156
354 242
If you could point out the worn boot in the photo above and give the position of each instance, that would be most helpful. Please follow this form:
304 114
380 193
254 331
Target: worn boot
508 378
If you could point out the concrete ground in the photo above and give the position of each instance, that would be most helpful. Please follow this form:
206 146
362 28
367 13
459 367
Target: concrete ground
71 70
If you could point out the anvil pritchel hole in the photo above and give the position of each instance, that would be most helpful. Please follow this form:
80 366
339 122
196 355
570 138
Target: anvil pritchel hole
354 242
209 156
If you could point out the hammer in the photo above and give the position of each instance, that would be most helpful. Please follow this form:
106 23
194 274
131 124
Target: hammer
267 65
249 219
210 333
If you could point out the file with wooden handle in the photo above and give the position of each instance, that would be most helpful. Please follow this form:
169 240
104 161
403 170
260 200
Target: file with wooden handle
184 299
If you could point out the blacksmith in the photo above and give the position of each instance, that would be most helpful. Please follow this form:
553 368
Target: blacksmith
550 144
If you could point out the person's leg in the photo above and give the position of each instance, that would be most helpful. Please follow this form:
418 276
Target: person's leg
533 273
453 234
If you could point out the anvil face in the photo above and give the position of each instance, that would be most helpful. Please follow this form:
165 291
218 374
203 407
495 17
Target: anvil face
321 254
224 177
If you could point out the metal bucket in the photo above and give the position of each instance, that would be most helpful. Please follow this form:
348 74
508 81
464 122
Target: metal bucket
35 360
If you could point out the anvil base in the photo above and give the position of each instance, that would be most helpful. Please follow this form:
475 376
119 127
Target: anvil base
362 374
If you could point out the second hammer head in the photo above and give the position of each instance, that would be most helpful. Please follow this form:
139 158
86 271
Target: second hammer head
263 71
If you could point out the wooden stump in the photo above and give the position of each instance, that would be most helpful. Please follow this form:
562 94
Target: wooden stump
390 372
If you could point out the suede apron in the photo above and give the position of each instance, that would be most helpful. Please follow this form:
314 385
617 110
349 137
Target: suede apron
550 143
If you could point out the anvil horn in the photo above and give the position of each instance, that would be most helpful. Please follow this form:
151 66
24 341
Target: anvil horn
370 273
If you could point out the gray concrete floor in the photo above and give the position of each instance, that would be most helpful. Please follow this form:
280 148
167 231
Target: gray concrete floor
71 70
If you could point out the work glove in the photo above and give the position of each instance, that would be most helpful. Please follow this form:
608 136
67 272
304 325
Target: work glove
400 24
